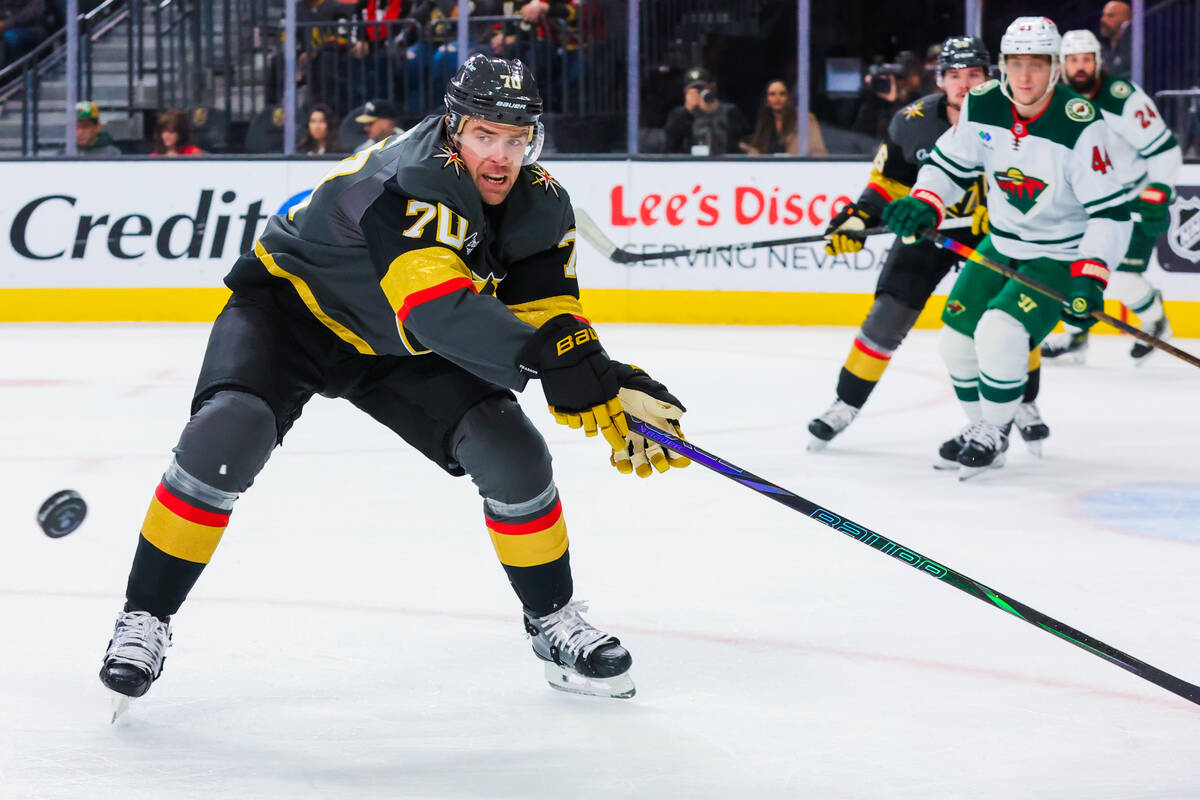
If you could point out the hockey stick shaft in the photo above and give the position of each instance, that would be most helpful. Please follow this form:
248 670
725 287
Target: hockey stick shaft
971 254
887 546
592 234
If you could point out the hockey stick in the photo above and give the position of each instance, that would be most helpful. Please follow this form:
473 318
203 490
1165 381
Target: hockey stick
970 253
1186 690
592 234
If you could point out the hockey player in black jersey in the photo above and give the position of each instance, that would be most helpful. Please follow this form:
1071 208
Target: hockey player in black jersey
910 274
423 280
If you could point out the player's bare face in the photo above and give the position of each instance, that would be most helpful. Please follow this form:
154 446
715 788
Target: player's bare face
1028 78
957 82
1080 69
493 154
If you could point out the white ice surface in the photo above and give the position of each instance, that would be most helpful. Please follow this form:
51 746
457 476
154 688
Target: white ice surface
354 636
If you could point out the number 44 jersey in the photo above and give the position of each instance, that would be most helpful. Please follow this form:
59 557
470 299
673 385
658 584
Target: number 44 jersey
1052 189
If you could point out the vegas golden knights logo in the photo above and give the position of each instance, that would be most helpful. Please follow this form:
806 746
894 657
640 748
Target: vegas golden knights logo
511 81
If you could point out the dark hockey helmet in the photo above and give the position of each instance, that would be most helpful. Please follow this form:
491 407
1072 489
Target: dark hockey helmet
497 90
963 51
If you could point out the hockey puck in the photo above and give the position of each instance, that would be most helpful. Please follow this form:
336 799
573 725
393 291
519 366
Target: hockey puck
62 513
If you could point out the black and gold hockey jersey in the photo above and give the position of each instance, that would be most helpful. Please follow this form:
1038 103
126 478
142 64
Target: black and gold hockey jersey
907 144
396 254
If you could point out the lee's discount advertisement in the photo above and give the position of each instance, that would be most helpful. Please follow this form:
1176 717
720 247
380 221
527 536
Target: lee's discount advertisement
144 224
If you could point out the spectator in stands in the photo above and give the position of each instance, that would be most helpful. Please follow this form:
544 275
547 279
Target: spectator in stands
887 89
703 125
929 74
173 135
320 54
379 121
321 134
378 51
775 132
22 28
1115 20
90 141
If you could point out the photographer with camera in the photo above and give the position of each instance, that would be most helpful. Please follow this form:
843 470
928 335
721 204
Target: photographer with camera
886 89
704 125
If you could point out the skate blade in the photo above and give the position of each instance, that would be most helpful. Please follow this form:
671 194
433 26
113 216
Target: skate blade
966 473
620 686
120 704
816 445
1034 446
946 465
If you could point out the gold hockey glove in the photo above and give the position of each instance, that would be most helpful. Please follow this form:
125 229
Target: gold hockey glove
840 236
579 381
648 400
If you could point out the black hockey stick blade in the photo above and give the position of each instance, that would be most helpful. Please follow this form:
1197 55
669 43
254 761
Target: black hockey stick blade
591 233
971 254
889 547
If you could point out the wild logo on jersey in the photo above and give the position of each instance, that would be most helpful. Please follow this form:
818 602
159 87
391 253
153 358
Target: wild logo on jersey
1020 190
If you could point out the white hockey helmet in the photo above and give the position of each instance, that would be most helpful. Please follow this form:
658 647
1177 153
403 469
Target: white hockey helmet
1037 36
1081 41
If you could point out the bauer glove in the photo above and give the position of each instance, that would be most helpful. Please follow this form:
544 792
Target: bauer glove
649 401
840 236
1085 293
1153 204
979 220
911 216
580 382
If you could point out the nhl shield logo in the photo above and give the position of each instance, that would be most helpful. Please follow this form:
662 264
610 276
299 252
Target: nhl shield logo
1183 236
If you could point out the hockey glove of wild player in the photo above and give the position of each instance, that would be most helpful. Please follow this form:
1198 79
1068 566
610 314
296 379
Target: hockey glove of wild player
840 236
649 401
979 220
1085 293
911 216
1153 203
580 382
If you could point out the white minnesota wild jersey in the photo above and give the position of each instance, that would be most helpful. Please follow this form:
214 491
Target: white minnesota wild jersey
1142 147
1051 192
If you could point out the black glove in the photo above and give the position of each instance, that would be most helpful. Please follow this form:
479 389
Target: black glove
840 236
580 382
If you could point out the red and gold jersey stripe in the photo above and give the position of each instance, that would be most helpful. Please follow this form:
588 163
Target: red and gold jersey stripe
866 362
182 530
530 544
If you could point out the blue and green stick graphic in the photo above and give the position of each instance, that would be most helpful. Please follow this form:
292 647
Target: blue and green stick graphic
914 559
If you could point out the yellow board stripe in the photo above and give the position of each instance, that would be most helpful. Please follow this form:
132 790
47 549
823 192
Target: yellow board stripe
531 549
537 312
675 306
310 300
865 366
178 537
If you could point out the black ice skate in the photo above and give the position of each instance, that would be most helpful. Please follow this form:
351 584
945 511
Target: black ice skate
1160 330
1031 427
835 420
1066 348
135 656
949 450
984 448
580 658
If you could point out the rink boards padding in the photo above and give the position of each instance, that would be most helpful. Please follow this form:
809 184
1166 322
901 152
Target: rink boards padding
150 240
